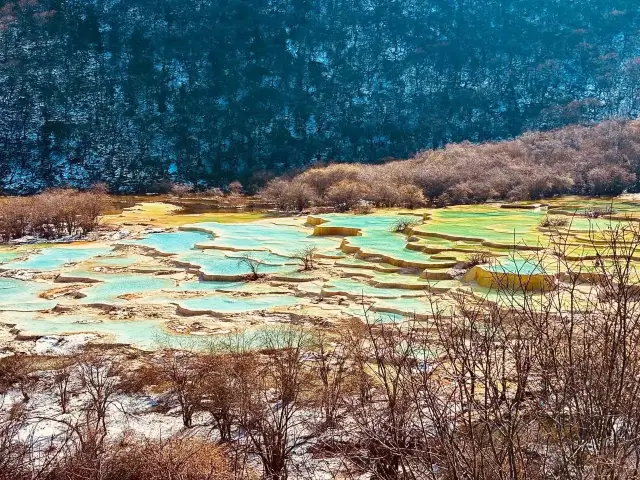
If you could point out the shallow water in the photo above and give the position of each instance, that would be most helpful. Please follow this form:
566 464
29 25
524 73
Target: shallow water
227 304
53 258
366 263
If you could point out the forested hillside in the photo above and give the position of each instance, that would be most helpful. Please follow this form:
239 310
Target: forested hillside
595 160
133 92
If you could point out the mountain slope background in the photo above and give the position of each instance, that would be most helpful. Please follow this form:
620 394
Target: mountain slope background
136 92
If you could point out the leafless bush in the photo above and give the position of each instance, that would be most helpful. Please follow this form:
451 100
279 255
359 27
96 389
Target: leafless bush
305 255
362 208
179 458
61 382
139 458
554 221
273 400
226 376
289 194
346 194
184 373
181 189
332 370
573 159
321 179
410 196
17 371
402 225
100 188
16 453
213 192
235 188
51 214
597 212
478 258
252 264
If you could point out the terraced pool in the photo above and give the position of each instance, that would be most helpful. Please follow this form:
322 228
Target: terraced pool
194 278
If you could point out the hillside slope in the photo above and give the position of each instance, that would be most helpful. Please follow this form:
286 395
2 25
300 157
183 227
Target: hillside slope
133 92
598 160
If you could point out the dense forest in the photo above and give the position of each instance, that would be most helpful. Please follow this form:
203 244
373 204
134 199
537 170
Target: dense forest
137 92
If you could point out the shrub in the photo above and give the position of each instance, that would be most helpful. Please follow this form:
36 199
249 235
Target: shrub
213 192
131 458
609 180
100 188
554 222
362 208
181 189
289 195
15 217
321 179
235 188
305 255
161 187
383 194
52 214
478 258
600 160
597 212
252 264
402 224
346 194
410 196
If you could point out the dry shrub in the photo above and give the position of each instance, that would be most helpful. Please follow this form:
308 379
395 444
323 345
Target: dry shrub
609 180
478 258
161 187
383 194
226 375
15 452
133 458
362 208
600 160
15 217
321 179
137 380
181 189
17 371
554 222
213 192
289 194
410 196
100 187
402 224
306 256
52 214
179 458
597 212
235 188
346 194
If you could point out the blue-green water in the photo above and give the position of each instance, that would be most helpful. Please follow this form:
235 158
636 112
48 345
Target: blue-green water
53 258
226 304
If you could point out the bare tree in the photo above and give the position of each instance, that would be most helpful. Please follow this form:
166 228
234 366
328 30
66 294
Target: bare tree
61 381
306 256
332 369
18 370
272 403
184 372
225 374
252 264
